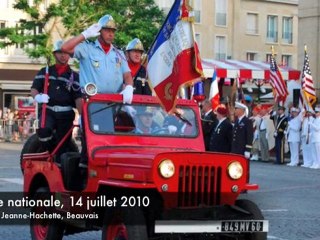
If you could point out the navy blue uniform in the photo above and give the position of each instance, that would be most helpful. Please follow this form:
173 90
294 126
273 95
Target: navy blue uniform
221 137
141 86
208 123
242 136
281 123
63 90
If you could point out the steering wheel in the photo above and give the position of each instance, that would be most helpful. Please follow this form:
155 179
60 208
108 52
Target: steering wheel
161 130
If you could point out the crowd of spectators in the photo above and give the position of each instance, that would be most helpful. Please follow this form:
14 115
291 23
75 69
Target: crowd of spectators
16 126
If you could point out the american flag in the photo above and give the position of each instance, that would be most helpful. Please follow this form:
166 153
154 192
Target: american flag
277 82
307 82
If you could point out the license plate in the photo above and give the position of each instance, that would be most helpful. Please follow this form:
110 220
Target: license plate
242 226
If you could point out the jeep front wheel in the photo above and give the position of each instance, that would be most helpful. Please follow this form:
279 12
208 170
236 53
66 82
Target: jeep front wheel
255 214
124 224
45 229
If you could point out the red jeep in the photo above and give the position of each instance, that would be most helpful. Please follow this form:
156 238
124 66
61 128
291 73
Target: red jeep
142 182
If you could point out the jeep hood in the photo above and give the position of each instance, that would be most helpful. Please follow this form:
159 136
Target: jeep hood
139 156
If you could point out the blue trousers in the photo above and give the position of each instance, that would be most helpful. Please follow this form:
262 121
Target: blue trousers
279 145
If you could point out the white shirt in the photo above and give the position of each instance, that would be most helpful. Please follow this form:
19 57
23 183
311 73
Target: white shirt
220 121
293 130
208 112
262 125
305 126
315 130
240 118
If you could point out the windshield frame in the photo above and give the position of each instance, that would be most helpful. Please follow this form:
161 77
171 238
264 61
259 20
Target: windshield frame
119 106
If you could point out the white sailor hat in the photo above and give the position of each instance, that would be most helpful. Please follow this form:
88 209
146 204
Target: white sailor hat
310 110
240 105
293 109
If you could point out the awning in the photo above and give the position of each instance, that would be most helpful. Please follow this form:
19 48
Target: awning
245 69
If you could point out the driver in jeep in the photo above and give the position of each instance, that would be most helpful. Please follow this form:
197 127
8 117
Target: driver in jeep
144 121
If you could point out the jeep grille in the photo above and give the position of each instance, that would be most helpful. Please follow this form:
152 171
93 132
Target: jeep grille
199 185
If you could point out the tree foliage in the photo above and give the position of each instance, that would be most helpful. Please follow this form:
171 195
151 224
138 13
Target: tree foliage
134 18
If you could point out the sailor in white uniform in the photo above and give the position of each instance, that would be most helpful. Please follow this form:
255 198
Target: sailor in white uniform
293 136
305 139
315 139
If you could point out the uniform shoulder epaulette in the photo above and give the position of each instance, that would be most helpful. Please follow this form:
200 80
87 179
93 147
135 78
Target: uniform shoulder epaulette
89 41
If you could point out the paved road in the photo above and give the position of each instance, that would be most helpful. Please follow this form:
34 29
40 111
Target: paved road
289 198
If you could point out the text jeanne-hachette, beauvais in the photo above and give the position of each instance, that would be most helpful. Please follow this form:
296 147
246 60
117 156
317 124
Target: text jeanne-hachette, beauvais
30 215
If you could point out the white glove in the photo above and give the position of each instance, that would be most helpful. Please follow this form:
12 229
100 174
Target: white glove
127 93
172 129
92 31
247 155
42 98
130 110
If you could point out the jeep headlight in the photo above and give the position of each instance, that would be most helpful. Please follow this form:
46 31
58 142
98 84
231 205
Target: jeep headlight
166 168
235 170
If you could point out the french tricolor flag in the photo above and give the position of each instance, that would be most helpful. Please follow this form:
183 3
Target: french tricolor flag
214 95
174 59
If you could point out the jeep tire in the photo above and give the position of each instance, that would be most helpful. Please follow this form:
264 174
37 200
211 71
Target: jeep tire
45 229
255 215
127 223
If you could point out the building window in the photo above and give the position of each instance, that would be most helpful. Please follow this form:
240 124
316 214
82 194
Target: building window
272 29
196 10
38 29
287 26
21 32
3 50
2 25
220 48
221 12
252 23
251 56
198 40
268 57
286 60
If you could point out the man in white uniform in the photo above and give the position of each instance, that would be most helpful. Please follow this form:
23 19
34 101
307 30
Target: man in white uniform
305 139
315 139
293 136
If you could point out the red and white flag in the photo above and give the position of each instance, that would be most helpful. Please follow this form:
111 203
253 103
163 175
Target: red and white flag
174 59
307 87
276 81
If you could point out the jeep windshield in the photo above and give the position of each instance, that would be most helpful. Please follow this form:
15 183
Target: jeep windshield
150 120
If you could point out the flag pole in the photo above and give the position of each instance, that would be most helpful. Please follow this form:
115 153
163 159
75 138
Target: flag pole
273 91
145 59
